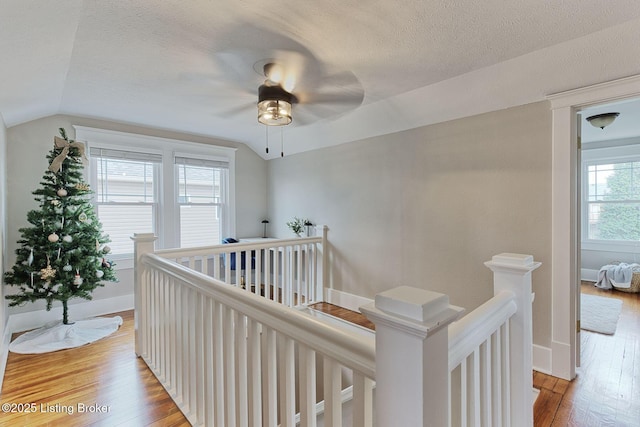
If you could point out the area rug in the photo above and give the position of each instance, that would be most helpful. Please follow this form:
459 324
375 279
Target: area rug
56 336
599 314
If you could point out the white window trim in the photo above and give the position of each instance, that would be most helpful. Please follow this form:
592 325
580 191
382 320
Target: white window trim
628 150
168 149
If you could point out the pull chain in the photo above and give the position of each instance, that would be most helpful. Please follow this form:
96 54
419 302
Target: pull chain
266 132
281 142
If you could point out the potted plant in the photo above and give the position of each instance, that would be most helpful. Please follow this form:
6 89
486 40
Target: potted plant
297 225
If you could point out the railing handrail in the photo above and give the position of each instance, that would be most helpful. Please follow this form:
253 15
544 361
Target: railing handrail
236 247
352 350
466 334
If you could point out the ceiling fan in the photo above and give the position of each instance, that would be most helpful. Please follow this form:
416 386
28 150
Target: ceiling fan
271 76
293 87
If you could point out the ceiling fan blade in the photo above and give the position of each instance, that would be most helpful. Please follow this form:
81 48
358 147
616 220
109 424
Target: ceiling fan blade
337 88
236 111
353 99
302 117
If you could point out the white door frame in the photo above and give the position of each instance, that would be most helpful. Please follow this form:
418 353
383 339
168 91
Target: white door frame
564 213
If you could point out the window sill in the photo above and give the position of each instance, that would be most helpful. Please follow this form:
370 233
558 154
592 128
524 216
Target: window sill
124 263
611 246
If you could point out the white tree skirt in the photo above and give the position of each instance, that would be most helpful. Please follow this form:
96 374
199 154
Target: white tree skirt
56 336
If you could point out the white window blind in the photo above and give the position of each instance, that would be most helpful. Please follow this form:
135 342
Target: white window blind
202 200
126 194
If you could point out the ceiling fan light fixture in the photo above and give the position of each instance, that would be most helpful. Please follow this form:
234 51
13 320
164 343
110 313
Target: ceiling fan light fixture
274 106
602 120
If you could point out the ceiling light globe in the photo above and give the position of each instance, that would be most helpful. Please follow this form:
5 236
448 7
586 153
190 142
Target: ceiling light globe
602 120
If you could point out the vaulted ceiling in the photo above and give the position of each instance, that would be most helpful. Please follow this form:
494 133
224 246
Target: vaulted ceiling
190 66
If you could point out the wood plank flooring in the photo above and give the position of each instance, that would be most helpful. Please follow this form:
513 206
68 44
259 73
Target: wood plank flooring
115 386
344 314
606 391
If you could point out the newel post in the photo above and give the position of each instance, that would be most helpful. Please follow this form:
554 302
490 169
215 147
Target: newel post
412 349
512 272
143 243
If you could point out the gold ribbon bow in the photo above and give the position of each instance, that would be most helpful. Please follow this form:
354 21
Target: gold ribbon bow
58 142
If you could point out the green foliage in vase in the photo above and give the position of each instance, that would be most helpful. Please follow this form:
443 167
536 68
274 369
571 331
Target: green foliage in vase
297 225
62 253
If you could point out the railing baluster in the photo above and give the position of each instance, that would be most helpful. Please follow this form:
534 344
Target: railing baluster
506 378
229 364
179 337
362 401
178 334
287 382
241 366
496 379
485 383
209 368
257 278
216 266
299 274
190 348
276 274
255 374
164 329
205 264
271 381
307 375
199 370
268 279
171 335
476 402
218 337
332 395
464 393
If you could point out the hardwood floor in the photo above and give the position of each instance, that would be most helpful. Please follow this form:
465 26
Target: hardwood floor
344 314
606 391
104 379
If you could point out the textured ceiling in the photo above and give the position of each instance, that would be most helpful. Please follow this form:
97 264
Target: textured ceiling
188 65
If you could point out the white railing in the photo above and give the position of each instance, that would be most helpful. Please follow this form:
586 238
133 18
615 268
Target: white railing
232 358
229 357
286 270
476 371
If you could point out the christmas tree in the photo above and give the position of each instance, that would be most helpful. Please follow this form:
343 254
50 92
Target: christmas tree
62 254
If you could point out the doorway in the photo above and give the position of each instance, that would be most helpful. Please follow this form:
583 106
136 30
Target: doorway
609 233
564 233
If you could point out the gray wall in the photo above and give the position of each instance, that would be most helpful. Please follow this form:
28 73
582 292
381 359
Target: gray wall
3 223
29 143
426 207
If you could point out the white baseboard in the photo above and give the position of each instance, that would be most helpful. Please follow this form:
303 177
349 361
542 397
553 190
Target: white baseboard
562 360
33 319
589 275
346 300
4 351
542 359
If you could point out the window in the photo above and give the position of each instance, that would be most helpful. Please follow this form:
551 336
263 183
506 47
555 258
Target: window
125 186
614 201
179 190
201 200
611 195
